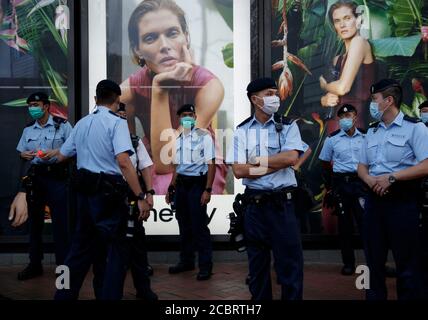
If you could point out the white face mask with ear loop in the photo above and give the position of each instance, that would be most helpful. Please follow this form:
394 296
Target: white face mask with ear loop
271 104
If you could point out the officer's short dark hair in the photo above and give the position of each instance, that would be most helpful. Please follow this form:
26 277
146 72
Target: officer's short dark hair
389 88
396 93
107 92
260 84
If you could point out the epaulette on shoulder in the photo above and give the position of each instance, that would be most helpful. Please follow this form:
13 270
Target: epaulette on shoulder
59 120
244 122
283 119
362 130
201 132
374 125
412 119
30 124
334 133
116 115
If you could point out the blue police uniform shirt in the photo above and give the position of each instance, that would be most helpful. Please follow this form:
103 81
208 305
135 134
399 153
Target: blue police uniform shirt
305 147
399 146
343 150
97 139
254 139
194 150
49 137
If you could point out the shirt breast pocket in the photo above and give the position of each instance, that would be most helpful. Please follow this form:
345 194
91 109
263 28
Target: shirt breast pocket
274 145
53 140
395 149
371 151
198 152
33 141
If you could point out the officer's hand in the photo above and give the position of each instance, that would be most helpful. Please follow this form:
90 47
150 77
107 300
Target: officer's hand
18 213
206 198
371 182
382 185
50 154
149 199
28 155
144 209
330 100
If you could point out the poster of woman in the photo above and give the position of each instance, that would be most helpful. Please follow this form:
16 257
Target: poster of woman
334 50
174 57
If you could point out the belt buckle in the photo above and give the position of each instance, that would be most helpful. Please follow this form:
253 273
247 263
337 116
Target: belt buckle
289 196
347 178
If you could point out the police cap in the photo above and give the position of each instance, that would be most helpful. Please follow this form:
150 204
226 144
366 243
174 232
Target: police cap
108 86
38 97
346 108
186 108
261 84
384 84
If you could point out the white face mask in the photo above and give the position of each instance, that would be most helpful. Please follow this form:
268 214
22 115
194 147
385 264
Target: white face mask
271 104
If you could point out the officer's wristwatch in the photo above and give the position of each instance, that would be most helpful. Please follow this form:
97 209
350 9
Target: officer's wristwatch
141 196
151 191
209 190
392 179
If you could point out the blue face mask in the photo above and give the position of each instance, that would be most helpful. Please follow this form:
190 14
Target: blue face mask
424 117
374 111
187 122
346 124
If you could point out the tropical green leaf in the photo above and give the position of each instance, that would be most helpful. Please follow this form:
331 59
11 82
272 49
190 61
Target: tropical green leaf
225 8
16 103
403 46
406 15
228 55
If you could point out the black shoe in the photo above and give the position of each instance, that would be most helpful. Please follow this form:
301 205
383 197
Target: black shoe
147 295
180 267
348 270
30 272
203 275
247 280
390 272
149 270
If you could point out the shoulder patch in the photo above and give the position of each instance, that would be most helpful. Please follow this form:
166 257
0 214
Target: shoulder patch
374 125
245 121
334 133
412 119
59 120
30 124
362 130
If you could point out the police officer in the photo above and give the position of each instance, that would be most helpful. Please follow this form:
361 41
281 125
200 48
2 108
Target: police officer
102 144
423 109
264 149
192 182
393 157
345 189
45 181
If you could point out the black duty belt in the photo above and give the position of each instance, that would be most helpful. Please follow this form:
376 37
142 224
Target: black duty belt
346 176
259 197
60 171
191 180
402 190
